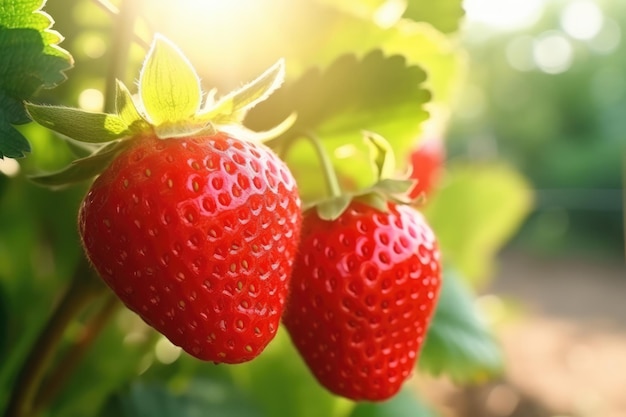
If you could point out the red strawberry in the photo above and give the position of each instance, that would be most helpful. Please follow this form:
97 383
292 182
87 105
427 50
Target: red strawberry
197 235
362 294
426 162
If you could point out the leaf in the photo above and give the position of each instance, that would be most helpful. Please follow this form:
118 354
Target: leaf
12 143
79 125
202 397
444 15
125 105
381 155
377 93
404 404
232 108
332 208
168 84
82 169
30 60
475 212
458 342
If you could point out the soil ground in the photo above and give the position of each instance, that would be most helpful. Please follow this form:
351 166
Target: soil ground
566 349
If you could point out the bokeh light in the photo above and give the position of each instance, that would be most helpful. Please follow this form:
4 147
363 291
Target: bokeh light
582 19
608 39
504 14
553 52
91 99
9 167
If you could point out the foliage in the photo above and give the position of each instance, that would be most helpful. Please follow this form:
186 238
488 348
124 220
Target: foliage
30 60
345 73
459 342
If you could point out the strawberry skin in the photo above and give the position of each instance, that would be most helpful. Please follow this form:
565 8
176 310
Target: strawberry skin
197 235
362 295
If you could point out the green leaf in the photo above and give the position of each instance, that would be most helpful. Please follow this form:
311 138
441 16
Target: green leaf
393 186
381 155
12 143
444 15
475 212
79 125
201 397
232 108
30 60
332 208
377 93
82 169
458 342
404 404
168 85
125 105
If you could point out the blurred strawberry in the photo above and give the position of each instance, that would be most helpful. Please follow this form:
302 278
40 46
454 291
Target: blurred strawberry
426 162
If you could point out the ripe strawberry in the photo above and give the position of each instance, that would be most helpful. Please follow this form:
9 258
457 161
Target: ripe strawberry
197 235
426 162
362 295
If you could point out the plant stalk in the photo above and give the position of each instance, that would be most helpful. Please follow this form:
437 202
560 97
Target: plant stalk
123 33
330 175
65 367
80 293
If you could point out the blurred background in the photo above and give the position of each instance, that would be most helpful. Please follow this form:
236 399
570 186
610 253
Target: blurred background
547 91
544 91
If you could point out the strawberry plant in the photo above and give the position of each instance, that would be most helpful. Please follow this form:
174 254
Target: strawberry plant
261 250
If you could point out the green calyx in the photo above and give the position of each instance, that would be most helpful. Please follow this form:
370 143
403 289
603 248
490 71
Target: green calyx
386 188
169 104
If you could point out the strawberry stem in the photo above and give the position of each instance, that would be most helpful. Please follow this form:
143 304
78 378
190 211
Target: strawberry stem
80 293
330 176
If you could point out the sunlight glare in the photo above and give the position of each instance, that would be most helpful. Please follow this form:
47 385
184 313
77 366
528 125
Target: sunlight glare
214 7
389 13
507 15
582 19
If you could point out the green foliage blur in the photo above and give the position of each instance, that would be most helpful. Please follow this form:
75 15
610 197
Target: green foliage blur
550 97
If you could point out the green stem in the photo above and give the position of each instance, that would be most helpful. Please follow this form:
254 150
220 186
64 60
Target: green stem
64 368
78 296
330 176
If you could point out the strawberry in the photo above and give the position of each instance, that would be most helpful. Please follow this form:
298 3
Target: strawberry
192 222
363 292
426 162
197 235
